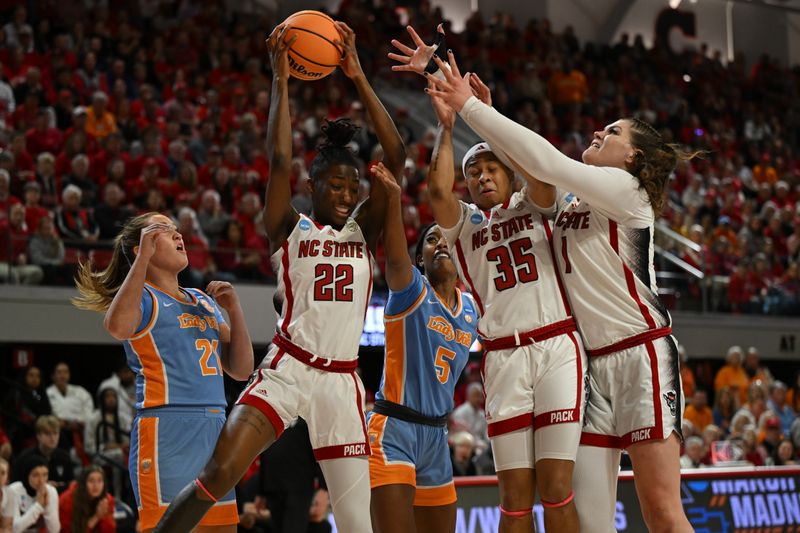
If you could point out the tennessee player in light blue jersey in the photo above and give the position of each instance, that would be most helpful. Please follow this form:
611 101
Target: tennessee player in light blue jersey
178 344
430 326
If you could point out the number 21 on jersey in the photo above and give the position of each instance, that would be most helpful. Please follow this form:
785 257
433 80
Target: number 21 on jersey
209 349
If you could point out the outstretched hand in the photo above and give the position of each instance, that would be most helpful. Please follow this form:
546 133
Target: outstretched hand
445 114
278 46
453 89
386 179
350 65
414 60
480 89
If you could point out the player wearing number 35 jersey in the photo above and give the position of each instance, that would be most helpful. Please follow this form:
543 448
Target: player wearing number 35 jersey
534 365
178 344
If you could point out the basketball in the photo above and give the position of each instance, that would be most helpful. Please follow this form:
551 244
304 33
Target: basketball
314 54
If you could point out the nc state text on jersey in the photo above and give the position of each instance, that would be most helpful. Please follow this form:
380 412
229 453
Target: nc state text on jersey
501 230
573 220
314 248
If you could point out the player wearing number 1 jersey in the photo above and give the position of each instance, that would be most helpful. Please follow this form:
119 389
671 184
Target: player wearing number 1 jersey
178 344
534 365
430 326
324 268
604 231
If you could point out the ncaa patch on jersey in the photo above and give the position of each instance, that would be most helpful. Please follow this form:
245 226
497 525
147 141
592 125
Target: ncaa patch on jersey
468 318
476 218
305 225
206 305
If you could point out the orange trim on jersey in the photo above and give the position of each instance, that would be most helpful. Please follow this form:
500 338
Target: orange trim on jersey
167 293
147 466
155 378
153 316
435 496
377 426
459 305
220 515
395 363
411 308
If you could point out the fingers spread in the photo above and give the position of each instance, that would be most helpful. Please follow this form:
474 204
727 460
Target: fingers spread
398 57
415 37
403 48
453 65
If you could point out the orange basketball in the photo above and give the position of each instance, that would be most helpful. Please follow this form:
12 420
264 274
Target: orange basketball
314 54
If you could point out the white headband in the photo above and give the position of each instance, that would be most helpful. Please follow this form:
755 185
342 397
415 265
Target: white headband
479 148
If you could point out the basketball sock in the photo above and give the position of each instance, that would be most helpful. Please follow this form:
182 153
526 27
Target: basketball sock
594 482
348 484
185 511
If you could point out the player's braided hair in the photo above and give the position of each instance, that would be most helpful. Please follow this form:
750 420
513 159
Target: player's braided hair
654 161
98 288
333 149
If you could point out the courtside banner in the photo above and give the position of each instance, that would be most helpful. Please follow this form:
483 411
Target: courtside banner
716 500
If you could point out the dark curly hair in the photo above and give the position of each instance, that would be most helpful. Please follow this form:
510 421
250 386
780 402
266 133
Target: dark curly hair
333 149
654 161
420 244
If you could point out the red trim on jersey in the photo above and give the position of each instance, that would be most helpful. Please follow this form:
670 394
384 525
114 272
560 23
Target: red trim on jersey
601 441
630 342
543 333
356 449
505 204
629 280
465 270
549 233
659 425
360 409
613 236
275 360
269 411
253 384
550 418
317 224
287 285
510 424
314 361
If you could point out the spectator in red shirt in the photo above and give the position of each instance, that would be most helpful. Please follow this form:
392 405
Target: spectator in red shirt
42 137
14 237
201 267
233 256
33 210
6 198
87 506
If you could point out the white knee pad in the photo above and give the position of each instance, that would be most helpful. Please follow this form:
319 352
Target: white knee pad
348 484
594 481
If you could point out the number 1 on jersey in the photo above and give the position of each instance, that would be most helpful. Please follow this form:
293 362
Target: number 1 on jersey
442 363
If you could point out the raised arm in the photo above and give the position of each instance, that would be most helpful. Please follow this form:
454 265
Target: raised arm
540 193
279 215
399 267
612 190
441 175
124 314
371 214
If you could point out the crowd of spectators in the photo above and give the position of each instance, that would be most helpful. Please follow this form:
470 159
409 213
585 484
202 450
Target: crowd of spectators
162 106
740 415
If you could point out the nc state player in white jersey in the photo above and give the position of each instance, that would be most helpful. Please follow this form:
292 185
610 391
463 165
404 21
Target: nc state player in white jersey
605 238
324 266
534 366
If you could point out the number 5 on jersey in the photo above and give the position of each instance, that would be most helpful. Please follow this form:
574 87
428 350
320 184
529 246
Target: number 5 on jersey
209 348
442 363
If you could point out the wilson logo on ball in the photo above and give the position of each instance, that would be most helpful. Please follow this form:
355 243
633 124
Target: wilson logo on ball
314 54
